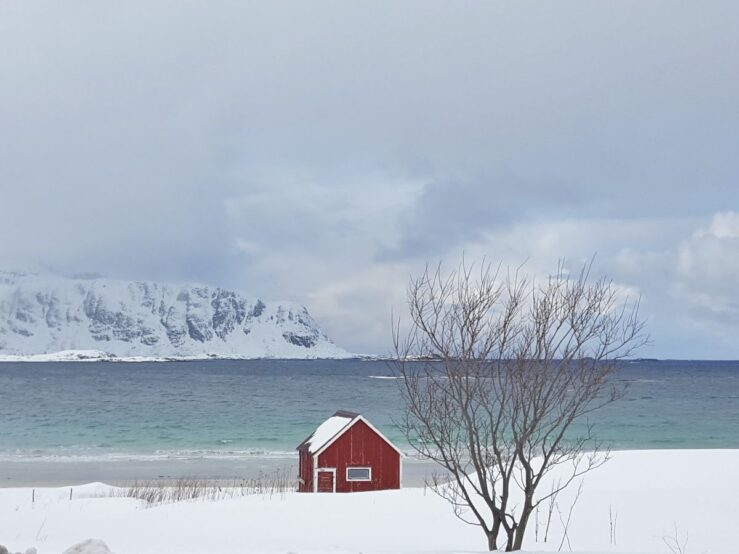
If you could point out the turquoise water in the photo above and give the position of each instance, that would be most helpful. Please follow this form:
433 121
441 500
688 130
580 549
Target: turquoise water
221 409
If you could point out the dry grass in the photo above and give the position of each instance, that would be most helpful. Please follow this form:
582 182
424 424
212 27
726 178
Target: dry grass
157 492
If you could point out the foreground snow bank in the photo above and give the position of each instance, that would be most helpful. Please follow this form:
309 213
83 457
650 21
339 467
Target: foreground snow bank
90 546
4 550
637 500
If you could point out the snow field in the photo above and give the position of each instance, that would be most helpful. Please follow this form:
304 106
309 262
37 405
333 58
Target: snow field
653 496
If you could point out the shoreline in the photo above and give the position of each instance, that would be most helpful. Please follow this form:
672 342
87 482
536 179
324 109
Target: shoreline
24 473
95 356
47 473
82 355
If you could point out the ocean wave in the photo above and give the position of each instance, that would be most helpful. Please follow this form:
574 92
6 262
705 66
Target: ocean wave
157 455
383 377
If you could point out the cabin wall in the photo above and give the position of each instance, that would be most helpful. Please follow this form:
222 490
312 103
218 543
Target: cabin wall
305 471
361 446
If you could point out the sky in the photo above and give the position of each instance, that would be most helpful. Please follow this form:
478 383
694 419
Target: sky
323 152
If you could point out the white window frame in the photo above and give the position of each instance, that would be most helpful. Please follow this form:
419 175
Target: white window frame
369 469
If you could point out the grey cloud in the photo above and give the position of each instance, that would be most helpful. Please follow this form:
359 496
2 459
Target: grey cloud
707 269
286 149
449 215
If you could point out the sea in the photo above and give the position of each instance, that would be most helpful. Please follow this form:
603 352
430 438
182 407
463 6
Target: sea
117 420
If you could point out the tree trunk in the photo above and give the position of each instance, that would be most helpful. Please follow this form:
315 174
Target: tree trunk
492 541
493 535
511 534
496 527
509 543
521 528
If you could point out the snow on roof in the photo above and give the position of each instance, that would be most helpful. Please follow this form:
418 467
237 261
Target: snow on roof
328 430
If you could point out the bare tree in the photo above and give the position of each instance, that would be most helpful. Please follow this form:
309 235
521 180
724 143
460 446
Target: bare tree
494 371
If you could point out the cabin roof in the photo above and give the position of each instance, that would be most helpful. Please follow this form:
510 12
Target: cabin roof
328 430
333 427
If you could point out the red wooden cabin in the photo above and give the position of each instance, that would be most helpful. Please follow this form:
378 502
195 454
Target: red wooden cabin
347 454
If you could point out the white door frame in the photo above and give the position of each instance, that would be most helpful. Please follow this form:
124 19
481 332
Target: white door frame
325 470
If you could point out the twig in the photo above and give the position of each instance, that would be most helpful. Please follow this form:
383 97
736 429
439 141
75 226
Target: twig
674 543
566 524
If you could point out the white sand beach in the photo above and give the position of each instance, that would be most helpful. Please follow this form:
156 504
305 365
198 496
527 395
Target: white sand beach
18 471
638 500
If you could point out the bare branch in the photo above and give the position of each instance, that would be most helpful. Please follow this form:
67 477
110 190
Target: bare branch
495 370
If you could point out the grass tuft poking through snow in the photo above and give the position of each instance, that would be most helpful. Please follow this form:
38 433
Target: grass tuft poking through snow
185 489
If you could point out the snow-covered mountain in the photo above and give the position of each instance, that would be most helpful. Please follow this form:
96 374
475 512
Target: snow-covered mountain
41 314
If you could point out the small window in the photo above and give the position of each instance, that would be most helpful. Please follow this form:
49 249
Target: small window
359 474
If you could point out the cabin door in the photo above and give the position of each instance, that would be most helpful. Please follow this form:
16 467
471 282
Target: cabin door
327 480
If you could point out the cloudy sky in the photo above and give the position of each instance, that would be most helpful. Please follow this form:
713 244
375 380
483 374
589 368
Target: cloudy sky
323 151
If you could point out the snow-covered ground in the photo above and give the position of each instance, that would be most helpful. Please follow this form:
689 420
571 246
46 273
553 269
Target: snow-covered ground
646 495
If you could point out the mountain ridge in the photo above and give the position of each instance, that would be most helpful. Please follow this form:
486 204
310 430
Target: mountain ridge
46 313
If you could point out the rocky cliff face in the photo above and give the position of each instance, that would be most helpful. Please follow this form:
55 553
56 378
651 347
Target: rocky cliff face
42 314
